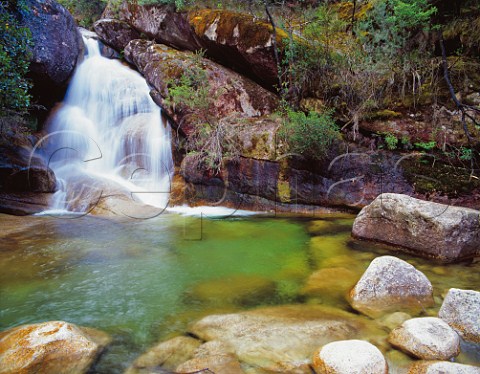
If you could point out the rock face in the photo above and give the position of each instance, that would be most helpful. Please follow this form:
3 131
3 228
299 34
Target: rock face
349 357
439 367
390 284
279 339
461 310
115 33
56 47
426 338
50 347
424 228
237 40
229 94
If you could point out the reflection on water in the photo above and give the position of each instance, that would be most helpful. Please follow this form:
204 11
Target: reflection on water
143 281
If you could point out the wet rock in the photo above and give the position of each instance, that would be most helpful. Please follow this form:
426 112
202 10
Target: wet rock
57 46
283 338
461 310
390 284
50 347
243 290
427 338
440 367
229 94
167 355
423 228
220 363
349 357
115 33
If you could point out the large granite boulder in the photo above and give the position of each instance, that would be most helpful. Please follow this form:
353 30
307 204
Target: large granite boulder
284 338
228 94
57 45
390 284
427 338
50 347
461 310
238 41
349 357
427 229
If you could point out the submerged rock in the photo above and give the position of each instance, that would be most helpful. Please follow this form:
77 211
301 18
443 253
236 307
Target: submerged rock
349 357
167 355
281 339
427 338
461 310
423 228
390 284
220 363
50 347
330 282
440 367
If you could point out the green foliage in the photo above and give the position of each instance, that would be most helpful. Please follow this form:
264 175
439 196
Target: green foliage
391 141
15 42
86 12
466 154
310 135
426 146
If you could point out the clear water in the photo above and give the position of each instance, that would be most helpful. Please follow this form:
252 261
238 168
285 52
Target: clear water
144 281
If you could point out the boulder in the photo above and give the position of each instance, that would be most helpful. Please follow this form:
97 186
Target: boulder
390 284
461 310
283 338
50 347
167 355
56 48
423 228
115 33
426 338
441 367
228 94
349 357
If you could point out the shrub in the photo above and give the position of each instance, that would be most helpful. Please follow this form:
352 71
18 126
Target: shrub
14 60
312 135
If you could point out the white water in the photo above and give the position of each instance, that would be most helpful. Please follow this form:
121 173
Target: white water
108 136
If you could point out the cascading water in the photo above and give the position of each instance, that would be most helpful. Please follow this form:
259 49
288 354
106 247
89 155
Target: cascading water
108 136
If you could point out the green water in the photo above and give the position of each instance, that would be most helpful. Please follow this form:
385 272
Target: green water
144 281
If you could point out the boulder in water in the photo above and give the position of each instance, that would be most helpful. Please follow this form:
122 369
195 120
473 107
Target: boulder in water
50 347
424 228
427 338
115 33
349 357
440 367
390 284
461 310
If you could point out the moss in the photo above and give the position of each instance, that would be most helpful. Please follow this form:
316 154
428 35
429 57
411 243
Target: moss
384 114
283 188
428 177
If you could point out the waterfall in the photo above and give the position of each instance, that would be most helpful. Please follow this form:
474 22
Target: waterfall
108 135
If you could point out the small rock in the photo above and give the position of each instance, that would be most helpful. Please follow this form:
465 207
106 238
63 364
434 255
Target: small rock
391 284
50 347
349 357
461 310
427 338
167 355
442 367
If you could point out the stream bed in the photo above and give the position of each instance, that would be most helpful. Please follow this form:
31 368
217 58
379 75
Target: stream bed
143 281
